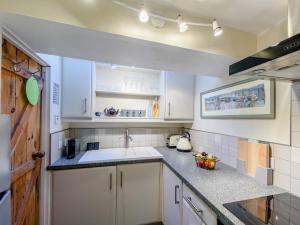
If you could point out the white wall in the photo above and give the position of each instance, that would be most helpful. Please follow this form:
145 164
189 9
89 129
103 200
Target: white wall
55 77
272 130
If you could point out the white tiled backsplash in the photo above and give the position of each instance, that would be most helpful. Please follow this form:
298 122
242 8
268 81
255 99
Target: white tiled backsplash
115 137
56 144
112 138
286 158
222 146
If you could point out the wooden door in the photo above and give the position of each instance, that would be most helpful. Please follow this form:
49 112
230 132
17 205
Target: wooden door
138 194
26 155
84 196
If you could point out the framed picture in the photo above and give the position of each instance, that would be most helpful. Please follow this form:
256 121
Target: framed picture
249 99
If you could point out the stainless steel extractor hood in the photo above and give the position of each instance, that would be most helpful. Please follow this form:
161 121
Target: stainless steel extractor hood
280 61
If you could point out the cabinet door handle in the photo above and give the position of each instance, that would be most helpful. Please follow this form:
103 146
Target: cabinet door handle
176 200
121 180
110 181
169 110
85 105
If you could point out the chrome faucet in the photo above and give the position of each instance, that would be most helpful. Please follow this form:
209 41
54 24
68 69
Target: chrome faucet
128 138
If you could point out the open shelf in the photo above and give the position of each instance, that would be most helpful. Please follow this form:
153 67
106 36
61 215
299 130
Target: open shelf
128 93
126 120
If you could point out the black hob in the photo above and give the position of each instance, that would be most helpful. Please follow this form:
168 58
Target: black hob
281 209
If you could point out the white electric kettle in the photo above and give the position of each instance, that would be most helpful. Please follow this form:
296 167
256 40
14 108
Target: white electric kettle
184 144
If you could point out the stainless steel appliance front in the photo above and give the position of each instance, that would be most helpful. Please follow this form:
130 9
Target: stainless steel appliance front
5 170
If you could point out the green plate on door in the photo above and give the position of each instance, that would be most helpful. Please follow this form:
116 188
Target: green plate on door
32 90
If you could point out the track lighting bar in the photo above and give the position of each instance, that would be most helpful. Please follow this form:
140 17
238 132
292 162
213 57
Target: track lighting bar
183 25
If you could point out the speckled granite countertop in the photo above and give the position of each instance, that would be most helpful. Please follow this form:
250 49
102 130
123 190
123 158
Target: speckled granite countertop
66 164
215 188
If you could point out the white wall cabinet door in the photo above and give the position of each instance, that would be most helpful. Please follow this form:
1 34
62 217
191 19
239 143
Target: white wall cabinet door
77 88
84 196
172 201
138 194
179 96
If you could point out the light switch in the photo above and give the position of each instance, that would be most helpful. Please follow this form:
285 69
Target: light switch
56 119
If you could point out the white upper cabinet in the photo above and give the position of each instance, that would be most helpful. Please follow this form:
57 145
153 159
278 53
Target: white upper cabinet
77 88
179 96
138 194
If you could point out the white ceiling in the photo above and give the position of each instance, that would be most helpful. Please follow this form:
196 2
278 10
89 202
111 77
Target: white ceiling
66 40
249 15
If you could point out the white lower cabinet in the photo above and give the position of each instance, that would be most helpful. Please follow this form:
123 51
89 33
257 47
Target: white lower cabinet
138 193
84 196
172 200
125 195
122 195
195 211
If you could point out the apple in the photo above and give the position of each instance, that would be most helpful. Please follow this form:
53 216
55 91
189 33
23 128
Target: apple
211 164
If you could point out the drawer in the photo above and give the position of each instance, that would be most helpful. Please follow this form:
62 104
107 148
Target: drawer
208 215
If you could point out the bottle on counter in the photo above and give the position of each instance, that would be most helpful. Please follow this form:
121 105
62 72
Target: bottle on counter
155 108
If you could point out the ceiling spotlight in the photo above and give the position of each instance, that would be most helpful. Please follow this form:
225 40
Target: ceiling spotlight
183 27
216 28
143 15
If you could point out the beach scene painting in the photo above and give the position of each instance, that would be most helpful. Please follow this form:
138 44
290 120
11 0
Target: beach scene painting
248 99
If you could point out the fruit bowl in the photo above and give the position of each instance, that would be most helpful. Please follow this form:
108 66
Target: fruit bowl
206 161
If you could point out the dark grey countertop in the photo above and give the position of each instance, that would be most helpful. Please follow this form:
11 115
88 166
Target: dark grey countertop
214 187
66 164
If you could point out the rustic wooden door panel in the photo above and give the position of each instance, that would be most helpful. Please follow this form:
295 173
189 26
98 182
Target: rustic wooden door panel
8 93
26 156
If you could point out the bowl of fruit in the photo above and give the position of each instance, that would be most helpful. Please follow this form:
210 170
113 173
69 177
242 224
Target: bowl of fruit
206 161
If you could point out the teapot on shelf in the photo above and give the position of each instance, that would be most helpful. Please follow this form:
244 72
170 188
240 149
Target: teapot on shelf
111 111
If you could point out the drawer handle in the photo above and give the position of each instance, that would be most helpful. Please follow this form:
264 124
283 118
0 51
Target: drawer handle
110 182
176 189
169 111
189 200
85 105
121 181
199 212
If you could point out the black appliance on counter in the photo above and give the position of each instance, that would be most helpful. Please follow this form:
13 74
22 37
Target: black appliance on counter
71 148
281 209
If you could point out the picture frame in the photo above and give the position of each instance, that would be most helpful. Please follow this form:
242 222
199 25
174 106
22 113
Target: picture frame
247 99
